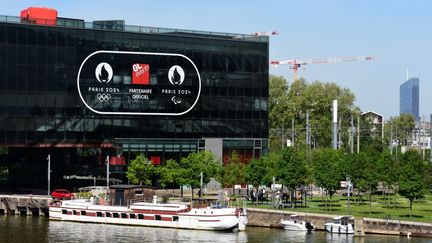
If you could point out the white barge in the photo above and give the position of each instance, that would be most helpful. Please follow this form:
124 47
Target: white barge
151 214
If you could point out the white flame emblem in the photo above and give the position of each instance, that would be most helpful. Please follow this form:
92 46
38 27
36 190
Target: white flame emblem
104 72
176 75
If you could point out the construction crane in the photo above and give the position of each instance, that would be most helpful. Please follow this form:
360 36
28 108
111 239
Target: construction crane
262 33
295 64
265 33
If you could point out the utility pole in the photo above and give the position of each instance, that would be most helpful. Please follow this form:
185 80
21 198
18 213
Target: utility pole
201 185
307 133
49 174
351 132
358 134
107 169
430 138
348 194
292 132
391 139
397 142
335 124
339 144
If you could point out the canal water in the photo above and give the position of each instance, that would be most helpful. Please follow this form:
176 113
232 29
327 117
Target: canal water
17 229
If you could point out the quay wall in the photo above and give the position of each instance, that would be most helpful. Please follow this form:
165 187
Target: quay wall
271 218
38 205
24 204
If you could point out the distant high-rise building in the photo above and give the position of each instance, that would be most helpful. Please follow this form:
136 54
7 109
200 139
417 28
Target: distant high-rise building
409 98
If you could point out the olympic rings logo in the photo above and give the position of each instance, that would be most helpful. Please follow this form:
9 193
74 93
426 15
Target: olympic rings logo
103 97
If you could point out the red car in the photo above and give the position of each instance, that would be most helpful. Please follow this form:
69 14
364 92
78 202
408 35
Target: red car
62 194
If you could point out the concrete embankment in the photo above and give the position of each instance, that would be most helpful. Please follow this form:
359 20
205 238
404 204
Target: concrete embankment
271 218
24 204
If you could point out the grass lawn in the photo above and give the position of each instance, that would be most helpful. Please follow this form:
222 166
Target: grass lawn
381 207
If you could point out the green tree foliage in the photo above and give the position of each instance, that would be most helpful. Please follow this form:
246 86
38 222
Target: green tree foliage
371 135
171 173
389 170
291 170
278 101
140 171
326 169
260 171
233 172
195 163
401 127
289 103
363 173
412 180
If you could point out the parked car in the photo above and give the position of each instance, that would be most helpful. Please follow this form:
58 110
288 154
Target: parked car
62 194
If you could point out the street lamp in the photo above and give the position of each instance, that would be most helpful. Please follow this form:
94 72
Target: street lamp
49 173
348 194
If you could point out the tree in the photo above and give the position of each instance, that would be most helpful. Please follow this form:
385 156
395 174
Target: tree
233 172
291 170
140 170
367 174
388 169
289 103
172 173
195 163
327 169
401 127
412 181
259 172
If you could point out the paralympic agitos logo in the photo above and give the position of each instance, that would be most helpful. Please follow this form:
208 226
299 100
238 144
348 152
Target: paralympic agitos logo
138 83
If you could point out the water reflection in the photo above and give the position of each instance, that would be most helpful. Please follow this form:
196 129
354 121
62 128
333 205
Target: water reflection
342 238
16 229
297 236
77 232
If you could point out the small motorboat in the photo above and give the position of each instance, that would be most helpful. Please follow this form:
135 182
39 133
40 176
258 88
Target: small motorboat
296 224
341 225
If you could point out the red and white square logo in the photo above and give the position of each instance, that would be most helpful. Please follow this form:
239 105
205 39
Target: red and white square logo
140 73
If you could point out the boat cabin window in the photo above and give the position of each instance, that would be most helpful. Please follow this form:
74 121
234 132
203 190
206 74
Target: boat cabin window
64 211
98 214
107 214
74 212
115 215
158 217
132 216
138 192
123 215
140 216
175 218
83 212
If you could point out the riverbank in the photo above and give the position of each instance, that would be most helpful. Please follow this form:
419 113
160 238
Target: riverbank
271 218
257 217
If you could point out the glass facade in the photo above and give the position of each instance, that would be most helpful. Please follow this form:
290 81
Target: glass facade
409 98
41 111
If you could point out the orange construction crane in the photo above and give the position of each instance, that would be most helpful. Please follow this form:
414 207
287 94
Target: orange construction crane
295 64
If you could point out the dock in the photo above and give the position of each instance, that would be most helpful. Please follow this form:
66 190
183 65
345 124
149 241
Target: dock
35 205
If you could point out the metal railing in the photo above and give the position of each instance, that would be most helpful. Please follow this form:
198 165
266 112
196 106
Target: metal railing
80 24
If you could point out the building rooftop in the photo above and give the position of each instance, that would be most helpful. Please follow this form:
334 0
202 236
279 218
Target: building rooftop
118 25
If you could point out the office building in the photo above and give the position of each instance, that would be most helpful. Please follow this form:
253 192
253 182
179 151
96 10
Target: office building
409 98
90 92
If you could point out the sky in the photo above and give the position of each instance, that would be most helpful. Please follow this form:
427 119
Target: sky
397 33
